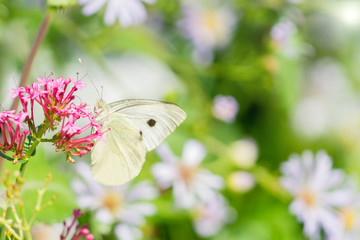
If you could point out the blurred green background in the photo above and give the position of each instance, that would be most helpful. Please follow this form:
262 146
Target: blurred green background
292 66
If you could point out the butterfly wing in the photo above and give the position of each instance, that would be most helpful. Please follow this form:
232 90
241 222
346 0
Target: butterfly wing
155 120
120 158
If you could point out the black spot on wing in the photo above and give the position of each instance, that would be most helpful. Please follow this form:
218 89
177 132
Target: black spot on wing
151 122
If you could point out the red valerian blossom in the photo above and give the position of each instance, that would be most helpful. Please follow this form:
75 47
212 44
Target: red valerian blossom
56 98
13 138
74 231
50 94
66 141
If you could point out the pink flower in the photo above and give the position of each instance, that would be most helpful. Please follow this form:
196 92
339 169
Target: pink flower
68 132
51 94
225 108
13 139
56 98
74 231
70 127
16 92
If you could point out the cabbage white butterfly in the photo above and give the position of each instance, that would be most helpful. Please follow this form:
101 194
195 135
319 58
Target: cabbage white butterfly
132 127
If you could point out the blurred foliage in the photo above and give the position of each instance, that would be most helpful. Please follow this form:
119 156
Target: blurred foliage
267 84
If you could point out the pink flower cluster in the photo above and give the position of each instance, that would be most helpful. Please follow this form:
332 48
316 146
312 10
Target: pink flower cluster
55 97
13 138
74 231
66 137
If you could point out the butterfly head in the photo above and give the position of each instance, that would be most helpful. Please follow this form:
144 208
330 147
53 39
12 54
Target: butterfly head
101 111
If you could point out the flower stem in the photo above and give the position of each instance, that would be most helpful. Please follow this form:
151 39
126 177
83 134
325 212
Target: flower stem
3 226
22 168
43 127
29 61
28 235
270 183
6 224
35 47
38 205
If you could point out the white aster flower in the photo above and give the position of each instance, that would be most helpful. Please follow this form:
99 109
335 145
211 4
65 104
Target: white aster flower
211 216
190 182
128 12
349 216
328 104
225 108
349 222
317 189
208 27
127 232
125 203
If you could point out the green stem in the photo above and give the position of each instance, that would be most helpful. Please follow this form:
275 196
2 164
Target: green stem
3 227
43 127
27 230
22 168
214 145
29 61
270 183
38 205
24 77
28 235
6 224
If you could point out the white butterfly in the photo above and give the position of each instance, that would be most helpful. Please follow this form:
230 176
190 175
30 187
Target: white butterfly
134 127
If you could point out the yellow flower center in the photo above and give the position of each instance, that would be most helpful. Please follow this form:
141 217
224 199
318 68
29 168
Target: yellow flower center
211 20
308 197
349 217
112 201
188 173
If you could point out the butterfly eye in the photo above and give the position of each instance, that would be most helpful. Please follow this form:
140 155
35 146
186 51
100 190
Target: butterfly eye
99 106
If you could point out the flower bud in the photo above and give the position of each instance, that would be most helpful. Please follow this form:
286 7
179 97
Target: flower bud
89 237
240 182
243 153
84 231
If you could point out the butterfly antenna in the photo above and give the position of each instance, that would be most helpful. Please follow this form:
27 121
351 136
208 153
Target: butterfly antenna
14 81
92 82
